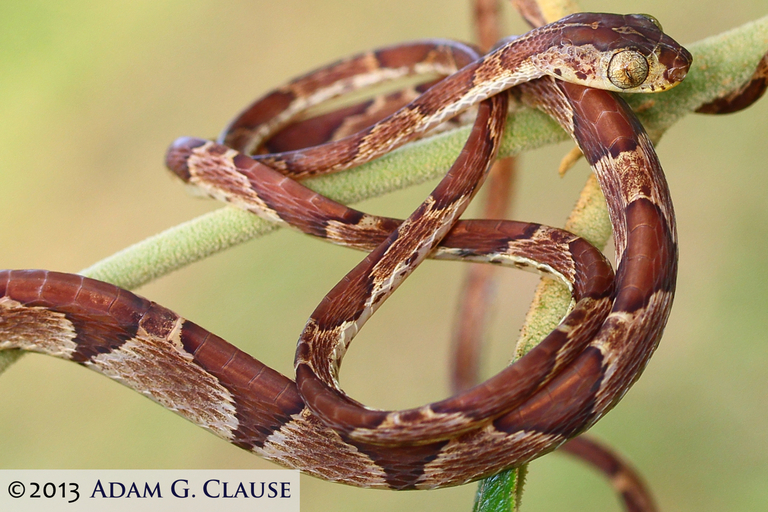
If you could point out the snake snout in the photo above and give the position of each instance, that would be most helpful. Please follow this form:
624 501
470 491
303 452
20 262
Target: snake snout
679 69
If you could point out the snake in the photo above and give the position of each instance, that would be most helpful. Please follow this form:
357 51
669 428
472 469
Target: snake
552 394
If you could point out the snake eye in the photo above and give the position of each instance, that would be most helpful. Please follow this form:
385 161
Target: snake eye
653 20
627 69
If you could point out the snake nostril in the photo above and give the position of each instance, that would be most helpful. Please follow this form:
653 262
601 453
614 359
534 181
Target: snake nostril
677 74
678 71
682 65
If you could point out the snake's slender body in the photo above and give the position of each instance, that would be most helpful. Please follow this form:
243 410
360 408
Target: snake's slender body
558 390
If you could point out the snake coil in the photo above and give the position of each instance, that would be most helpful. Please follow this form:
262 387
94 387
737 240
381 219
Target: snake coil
558 390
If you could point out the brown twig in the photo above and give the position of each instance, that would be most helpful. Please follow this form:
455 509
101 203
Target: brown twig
620 474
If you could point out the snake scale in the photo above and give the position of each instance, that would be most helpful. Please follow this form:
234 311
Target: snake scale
552 394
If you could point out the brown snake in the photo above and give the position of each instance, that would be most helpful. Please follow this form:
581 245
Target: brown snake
555 392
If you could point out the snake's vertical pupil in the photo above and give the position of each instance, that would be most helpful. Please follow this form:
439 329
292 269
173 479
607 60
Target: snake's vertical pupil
627 69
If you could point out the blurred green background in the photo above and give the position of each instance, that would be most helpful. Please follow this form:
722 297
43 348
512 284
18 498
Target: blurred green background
91 94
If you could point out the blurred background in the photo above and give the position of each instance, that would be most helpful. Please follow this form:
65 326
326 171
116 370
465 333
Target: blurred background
92 93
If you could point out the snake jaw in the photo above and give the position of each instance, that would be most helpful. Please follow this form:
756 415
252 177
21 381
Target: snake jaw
629 70
667 68
632 71
617 53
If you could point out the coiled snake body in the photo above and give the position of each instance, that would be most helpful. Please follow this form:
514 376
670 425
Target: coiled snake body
559 389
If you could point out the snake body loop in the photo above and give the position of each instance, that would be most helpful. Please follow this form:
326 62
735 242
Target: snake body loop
578 48
552 394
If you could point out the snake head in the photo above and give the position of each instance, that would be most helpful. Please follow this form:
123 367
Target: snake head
622 53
